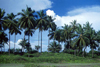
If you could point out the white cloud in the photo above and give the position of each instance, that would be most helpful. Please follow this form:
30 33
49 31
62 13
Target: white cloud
17 5
50 13
82 15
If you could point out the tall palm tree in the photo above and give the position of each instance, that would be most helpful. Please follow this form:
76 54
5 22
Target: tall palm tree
58 35
51 25
82 40
16 31
42 23
74 26
27 19
92 35
3 39
10 23
68 34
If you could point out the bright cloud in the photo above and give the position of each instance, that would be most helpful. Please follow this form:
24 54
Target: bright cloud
17 5
82 15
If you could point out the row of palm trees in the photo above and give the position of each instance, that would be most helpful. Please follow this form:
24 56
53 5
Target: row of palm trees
29 21
75 35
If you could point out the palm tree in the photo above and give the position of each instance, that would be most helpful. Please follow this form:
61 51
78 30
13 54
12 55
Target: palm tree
42 23
54 47
58 35
23 43
10 19
92 35
74 26
50 25
68 34
53 34
27 19
29 32
3 39
16 31
82 40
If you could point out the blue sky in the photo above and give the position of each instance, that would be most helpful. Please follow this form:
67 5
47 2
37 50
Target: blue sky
64 11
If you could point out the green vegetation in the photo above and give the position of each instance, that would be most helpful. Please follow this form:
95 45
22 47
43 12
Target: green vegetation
47 57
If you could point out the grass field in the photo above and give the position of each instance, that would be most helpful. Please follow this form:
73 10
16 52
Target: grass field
52 65
48 60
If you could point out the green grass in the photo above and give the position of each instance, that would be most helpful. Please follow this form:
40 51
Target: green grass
52 65
47 58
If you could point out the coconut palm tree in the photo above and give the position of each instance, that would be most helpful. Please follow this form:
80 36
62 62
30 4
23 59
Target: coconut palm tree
23 43
54 47
3 39
68 34
10 23
92 35
58 35
51 25
42 23
82 40
15 30
27 19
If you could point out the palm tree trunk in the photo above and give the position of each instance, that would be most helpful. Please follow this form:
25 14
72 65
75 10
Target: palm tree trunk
84 51
41 41
9 43
75 52
92 53
69 45
48 38
38 38
28 42
14 42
